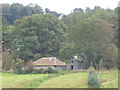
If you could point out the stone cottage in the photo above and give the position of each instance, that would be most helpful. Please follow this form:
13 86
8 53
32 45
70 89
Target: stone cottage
76 64
53 62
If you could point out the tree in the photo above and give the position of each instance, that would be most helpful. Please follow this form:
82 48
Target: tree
110 56
67 52
52 12
18 66
93 80
38 34
6 31
92 36
78 11
17 11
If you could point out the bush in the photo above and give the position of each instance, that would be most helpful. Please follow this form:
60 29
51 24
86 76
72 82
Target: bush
49 70
93 80
34 72
6 65
44 71
17 66
24 71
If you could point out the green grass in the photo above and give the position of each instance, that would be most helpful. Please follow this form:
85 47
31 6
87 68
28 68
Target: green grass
79 80
73 80
109 79
22 81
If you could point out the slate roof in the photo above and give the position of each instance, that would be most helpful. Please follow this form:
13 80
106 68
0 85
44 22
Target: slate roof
47 61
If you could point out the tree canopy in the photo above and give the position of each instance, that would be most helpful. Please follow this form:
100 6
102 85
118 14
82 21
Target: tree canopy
38 34
93 33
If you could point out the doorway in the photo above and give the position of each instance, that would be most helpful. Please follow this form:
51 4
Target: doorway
71 67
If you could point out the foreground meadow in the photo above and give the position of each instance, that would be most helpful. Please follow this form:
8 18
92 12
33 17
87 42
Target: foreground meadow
23 81
109 79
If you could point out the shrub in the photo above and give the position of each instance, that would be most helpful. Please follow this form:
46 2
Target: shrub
6 65
24 71
93 80
50 70
34 72
39 71
17 66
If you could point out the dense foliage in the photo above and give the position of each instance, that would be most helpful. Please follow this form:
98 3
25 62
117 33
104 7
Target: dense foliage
17 11
31 32
38 34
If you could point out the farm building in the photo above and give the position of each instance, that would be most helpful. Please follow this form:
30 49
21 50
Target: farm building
76 64
45 62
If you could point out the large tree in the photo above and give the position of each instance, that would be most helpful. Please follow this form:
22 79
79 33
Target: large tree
38 34
92 36
17 11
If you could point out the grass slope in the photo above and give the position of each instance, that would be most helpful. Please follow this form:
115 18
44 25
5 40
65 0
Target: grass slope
22 81
109 79
79 80
73 80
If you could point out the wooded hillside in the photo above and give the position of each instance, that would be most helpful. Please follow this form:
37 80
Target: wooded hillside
29 32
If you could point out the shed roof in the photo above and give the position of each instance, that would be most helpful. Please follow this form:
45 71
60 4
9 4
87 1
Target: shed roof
45 61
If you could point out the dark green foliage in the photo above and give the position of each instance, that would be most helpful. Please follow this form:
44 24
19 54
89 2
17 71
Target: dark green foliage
6 65
27 70
18 66
92 36
67 52
42 34
34 72
93 80
110 56
50 70
78 11
44 71
52 12
17 11
93 32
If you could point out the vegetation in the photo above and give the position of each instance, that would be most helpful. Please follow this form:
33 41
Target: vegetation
31 30
38 34
22 81
93 79
29 33
17 11
33 80
108 79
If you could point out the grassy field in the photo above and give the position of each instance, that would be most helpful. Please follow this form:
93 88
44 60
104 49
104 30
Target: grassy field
109 79
79 80
23 81
71 80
